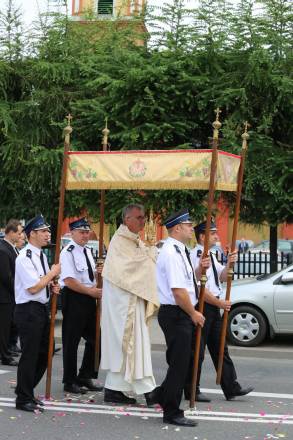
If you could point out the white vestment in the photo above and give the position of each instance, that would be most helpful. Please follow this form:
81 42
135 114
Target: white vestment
129 300
118 307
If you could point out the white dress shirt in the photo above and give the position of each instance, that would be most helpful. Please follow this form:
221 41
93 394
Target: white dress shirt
174 271
74 265
28 272
211 285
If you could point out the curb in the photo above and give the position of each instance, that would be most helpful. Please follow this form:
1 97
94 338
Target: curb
244 352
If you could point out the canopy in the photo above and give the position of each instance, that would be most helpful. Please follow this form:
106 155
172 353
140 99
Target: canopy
150 169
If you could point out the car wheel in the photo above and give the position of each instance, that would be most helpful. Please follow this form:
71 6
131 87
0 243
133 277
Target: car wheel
247 326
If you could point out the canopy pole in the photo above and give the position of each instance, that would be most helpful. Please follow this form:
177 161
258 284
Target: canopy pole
245 137
216 125
67 133
100 261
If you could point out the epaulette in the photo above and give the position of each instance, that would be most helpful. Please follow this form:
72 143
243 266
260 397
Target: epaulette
177 248
70 248
29 253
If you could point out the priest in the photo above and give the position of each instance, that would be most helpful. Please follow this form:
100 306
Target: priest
128 303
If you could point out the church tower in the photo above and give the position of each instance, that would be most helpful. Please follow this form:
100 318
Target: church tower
107 9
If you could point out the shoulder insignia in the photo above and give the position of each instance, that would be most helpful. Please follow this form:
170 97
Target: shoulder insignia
177 248
29 253
199 252
70 248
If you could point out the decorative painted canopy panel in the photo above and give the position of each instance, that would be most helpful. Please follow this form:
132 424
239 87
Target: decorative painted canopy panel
150 169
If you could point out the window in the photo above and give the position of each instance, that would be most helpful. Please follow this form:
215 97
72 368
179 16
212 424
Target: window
105 7
76 6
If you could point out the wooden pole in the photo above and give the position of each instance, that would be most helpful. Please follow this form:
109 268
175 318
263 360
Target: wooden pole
67 132
245 137
203 280
105 132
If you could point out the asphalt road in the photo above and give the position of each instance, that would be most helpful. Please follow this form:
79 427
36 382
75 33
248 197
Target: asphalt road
265 414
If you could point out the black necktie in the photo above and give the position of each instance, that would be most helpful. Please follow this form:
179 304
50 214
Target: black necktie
215 271
44 269
194 280
89 266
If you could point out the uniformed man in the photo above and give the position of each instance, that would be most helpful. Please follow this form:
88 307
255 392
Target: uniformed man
178 294
79 294
216 274
33 284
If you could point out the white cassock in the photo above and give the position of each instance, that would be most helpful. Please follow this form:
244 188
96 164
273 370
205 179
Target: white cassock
127 305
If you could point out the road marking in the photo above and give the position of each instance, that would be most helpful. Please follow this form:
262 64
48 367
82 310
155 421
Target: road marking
253 394
4 371
154 413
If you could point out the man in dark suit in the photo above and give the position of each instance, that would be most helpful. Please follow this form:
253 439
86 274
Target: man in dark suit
13 347
8 254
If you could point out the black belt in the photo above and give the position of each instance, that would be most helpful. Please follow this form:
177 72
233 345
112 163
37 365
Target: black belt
37 303
173 305
169 305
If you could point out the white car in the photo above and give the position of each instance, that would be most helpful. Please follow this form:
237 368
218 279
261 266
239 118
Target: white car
261 306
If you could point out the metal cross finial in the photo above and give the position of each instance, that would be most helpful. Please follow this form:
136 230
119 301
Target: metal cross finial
218 111
245 135
69 118
246 126
217 124
105 132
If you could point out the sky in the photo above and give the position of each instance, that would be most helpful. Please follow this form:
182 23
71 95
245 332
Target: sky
30 8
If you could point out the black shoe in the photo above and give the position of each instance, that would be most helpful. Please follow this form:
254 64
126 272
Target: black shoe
38 402
153 397
9 361
14 348
29 407
89 384
74 388
114 396
238 392
199 397
180 421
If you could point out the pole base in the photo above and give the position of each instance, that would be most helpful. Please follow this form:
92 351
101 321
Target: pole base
191 412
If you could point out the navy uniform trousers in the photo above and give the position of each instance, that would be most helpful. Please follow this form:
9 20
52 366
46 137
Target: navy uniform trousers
79 321
211 335
32 321
179 332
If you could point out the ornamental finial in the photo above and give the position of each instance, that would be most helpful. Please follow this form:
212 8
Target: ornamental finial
68 129
105 132
245 135
217 124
